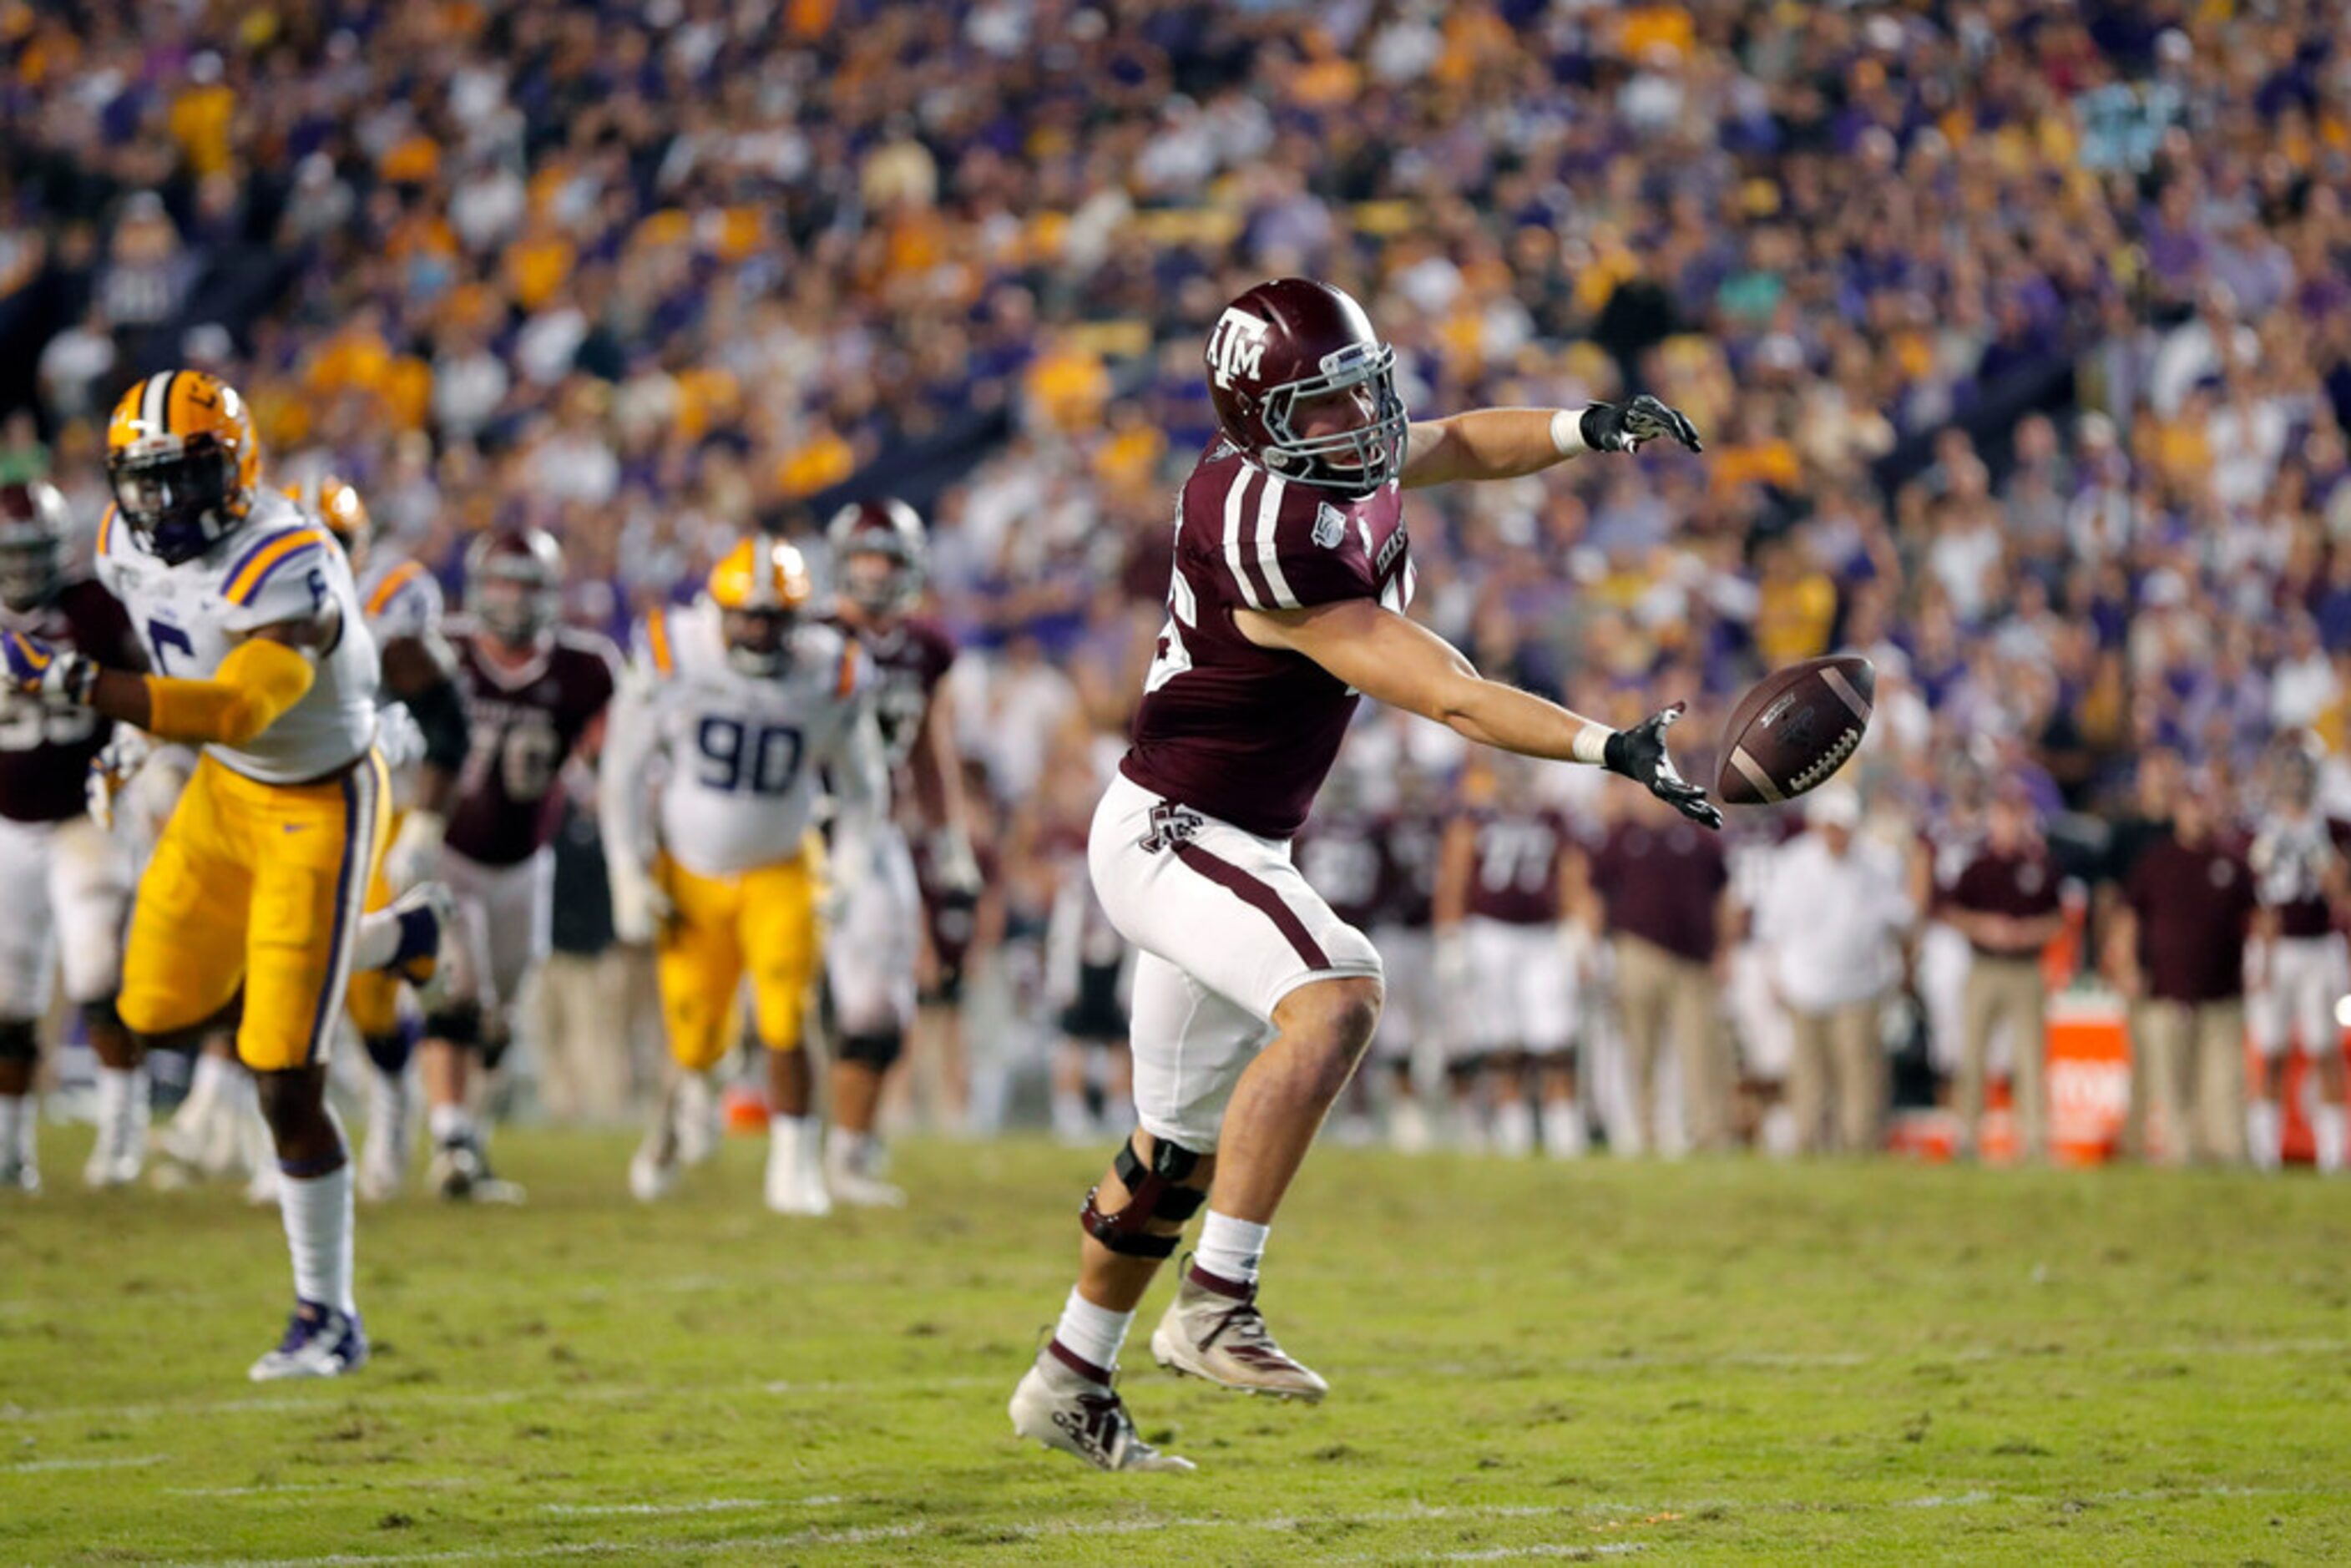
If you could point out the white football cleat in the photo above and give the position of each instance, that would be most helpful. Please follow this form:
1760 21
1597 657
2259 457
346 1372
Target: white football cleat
1218 1334
1564 1136
19 1174
319 1343
462 1174
116 1159
1410 1132
852 1168
652 1170
795 1183
1514 1129
1062 1407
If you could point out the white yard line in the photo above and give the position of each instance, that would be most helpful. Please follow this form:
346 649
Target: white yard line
1617 1517
364 1395
627 1548
654 1510
297 1489
111 1462
1544 1549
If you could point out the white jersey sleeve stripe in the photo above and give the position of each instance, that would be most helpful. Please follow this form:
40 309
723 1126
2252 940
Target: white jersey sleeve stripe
1269 527
1236 499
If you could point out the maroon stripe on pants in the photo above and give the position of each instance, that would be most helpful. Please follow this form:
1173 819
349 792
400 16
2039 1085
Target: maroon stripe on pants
1257 896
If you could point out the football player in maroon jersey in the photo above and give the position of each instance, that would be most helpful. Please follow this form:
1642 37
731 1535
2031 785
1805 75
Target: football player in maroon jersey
69 879
2301 968
1511 922
535 694
879 550
1252 1000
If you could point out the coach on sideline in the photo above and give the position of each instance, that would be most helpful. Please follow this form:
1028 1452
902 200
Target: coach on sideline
2005 904
1830 920
2177 952
1664 888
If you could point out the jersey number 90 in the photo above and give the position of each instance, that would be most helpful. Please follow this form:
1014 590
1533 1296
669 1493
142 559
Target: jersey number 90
737 757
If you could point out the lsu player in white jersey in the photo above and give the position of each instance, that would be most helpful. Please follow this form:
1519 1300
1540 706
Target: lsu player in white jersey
260 655
735 713
425 738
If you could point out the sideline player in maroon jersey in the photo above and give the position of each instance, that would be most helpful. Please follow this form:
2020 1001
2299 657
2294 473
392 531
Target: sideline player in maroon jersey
879 550
69 877
1252 1001
1507 911
2301 968
535 695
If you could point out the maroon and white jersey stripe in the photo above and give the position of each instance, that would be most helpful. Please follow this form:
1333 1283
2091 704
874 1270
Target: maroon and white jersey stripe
1241 733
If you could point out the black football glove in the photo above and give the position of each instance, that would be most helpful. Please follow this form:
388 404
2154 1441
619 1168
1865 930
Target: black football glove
1627 427
1639 754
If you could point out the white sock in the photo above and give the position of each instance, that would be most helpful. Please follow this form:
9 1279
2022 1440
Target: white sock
317 1214
16 1121
2326 1133
1070 1122
204 1085
791 1136
1231 1248
122 1105
1514 1128
1091 1333
2262 1132
1563 1134
450 1125
845 1149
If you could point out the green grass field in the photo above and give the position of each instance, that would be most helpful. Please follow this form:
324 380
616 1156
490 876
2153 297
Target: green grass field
1728 1362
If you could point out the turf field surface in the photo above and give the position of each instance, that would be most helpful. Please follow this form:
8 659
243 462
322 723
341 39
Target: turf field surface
1713 1363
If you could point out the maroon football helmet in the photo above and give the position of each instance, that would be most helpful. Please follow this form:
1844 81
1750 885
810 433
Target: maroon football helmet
34 524
514 582
888 531
1290 353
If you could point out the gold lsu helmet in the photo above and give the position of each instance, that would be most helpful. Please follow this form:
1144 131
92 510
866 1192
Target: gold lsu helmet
335 502
760 588
183 462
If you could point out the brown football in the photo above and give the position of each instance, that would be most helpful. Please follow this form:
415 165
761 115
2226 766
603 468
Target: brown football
1796 727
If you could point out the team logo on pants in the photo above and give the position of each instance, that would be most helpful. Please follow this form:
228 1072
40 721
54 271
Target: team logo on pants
1171 824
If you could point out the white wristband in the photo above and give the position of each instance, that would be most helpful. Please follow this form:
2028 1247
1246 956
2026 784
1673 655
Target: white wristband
1592 744
1567 431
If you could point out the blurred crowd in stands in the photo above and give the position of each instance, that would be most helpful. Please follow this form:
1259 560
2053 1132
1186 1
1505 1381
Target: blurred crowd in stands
2020 333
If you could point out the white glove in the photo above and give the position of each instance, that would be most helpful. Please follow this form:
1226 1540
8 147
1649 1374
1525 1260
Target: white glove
954 867
398 736
415 853
112 771
642 909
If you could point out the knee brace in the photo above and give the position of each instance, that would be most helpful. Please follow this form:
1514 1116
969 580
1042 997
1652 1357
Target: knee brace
100 1015
459 1023
1153 1193
390 1050
20 1040
876 1050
